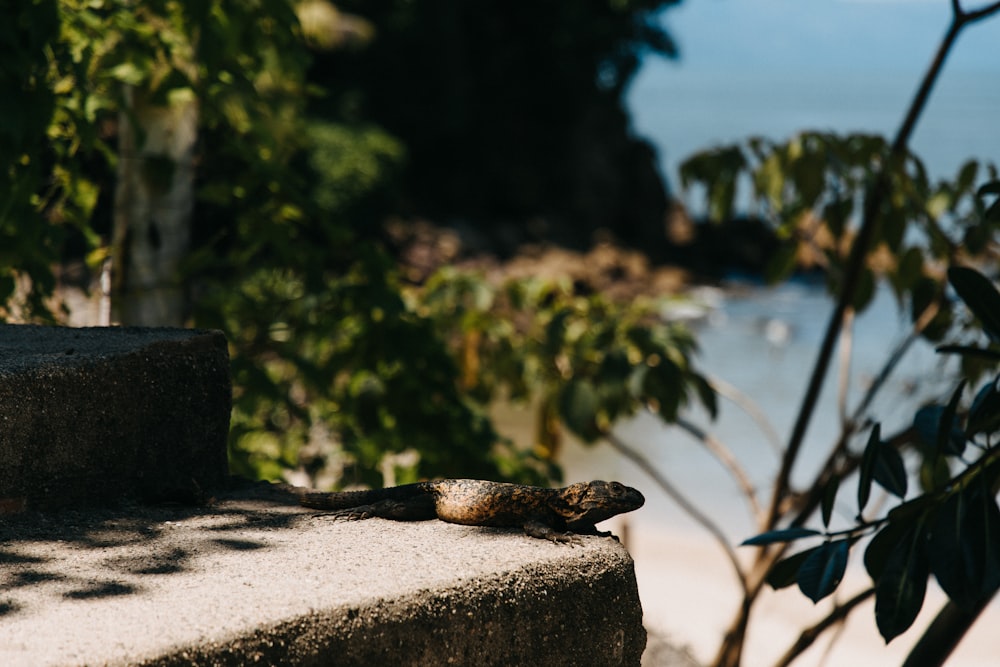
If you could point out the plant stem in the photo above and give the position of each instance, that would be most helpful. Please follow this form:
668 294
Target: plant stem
730 652
811 634
855 266
682 501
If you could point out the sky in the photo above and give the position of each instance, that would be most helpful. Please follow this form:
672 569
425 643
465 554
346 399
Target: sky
776 67
828 35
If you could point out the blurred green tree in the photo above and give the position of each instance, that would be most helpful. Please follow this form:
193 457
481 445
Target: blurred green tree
512 113
171 138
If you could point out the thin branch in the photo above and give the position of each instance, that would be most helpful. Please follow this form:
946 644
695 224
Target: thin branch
747 405
969 17
922 322
852 274
725 456
844 377
682 501
812 633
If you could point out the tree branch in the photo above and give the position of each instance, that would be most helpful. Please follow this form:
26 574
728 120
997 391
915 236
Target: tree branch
855 265
811 634
746 404
730 462
682 501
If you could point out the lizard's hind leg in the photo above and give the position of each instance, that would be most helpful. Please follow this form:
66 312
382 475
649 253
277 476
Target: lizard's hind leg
418 508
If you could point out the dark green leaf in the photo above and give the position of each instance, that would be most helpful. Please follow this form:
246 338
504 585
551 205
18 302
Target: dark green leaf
935 473
950 438
868 467
865 291
707 396
822 571
782 263
983 352
578 407
782 535
984 413
884 543
931 423
991 188
829 498
785 572
963 547
967 175
899 591
980 296
889 471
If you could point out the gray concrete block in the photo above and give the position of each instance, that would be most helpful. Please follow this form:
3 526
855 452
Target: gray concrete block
254 579
91 415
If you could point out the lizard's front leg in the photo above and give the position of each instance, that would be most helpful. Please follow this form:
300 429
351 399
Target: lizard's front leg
535 528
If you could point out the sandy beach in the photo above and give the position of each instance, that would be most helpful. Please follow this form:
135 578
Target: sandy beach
689 593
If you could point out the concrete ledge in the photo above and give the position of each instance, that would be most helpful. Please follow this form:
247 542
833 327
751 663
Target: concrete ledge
255 579
94 414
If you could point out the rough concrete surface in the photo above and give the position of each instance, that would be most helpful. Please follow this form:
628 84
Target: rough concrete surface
93 414
252 578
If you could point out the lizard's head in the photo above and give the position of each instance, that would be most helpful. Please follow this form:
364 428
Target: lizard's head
588 503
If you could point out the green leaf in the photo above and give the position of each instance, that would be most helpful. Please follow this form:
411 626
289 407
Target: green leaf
881 545
782 263
900 588
707 396
991 188
823 570
785 572
980 296
868 467
829 498
969 351
889 471
932 422
781 535
964 546
578 406
865 291
950 438
984 413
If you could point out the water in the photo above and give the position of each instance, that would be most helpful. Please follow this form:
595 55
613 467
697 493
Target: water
750 75
682 112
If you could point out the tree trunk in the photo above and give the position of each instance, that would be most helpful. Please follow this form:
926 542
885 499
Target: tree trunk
154 201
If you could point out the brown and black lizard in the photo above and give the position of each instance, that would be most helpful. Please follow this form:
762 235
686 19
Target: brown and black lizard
551 514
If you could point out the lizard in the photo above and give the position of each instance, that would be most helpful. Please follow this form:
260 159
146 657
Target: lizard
557 515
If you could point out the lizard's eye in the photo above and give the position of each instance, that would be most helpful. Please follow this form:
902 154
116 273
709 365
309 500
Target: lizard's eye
616 487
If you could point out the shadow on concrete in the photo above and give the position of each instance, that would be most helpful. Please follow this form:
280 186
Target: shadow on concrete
97 552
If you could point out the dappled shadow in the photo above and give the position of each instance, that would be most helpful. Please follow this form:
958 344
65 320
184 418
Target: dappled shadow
101 590
100 552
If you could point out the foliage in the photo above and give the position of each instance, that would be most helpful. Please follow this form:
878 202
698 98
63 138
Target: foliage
812 186
951 529
335 373
586 360
510 112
